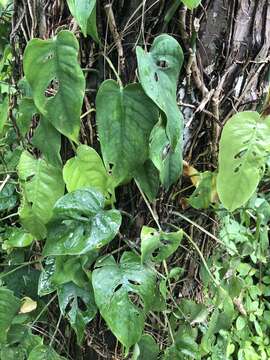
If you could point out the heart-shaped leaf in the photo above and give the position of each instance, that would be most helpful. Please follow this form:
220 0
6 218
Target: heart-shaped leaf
71 295
84 12
244 146
86 169
42 184
17 238
125 118
157 245
9 306
191 4
117 288
43 352
52 70
205 192
8 197
80 224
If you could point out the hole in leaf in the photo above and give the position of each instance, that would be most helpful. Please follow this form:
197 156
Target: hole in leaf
254 153
49 56
156 77
162 63
133 282
156 252
30 177
136 300
237 169
81 305
52 88
165 241
240 154
166 151
110 169
118 287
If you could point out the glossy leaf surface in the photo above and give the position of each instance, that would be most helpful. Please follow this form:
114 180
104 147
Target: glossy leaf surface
80 224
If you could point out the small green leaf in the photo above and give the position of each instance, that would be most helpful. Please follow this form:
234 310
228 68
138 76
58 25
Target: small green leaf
80 224
17 238
125 118
202 197
8 197
148 349
116 288
84 12
53 63
86 169
240 323
43 352
157 246
71 294
9 306
191 4
45 284
42 184
244 146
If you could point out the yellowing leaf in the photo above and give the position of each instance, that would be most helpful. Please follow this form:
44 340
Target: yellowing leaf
28 305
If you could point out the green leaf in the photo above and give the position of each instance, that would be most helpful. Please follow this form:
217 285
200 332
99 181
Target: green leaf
3 113
148 349
168 162
48 140
42 185
9 306
54 62
17 238
43 352
80 224
84 12
202 197
116 288
195 313
158 71
71 294
45 284
8 197
125 118
191 4
27 109
157 246
86 169
148 178
244 146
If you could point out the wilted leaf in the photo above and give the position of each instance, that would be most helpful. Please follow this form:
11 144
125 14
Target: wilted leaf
28 305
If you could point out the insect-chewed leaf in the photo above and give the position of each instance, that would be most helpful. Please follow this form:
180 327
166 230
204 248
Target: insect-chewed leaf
158 71
80 224
125 118
42 184
244 146
157 246
52 70
124 293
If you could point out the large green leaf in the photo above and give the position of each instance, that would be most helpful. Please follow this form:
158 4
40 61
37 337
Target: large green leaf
158 71
43 352
55 61
115 286
42 184
86 169
125 118
84 12
9 306
244 146
71 295
158 245
80 224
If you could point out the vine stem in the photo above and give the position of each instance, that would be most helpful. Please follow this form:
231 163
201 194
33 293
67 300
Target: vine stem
114 71
149 206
